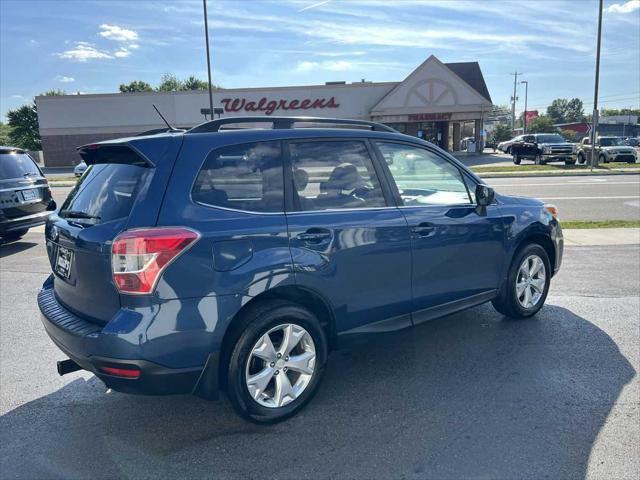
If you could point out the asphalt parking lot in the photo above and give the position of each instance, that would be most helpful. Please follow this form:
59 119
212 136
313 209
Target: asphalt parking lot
471 395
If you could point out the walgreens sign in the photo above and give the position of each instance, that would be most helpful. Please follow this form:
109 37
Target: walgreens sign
268 106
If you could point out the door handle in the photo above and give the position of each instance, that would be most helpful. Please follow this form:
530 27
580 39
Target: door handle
315 235
424 229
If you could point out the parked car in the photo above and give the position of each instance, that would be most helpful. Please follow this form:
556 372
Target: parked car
505 146
608 149
79 169
235 260
543 148
25 197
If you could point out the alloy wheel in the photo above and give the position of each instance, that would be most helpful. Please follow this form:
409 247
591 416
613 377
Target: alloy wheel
280 366
530 281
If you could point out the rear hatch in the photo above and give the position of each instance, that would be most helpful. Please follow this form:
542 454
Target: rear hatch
105 201
23 188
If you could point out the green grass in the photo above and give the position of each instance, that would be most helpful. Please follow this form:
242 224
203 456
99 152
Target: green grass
600 224
537 168
69 178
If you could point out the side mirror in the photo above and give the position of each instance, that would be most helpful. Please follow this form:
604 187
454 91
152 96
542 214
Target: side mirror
484 195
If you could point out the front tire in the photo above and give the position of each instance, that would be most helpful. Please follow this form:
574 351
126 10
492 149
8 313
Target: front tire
581 158
277 362
527 285
603 159
516 159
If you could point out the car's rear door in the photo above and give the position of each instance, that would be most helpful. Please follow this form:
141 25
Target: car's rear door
349 242
457 247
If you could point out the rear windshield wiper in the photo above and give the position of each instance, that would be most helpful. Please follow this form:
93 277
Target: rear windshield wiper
77 214
31 174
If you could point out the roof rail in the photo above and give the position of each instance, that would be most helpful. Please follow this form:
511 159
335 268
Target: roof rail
286 123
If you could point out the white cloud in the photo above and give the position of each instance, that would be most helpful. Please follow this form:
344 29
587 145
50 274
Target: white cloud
84 51
119 34
627 7
64 79
122 53
133 46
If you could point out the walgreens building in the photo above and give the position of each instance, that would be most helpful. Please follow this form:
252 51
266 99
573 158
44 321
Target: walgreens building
440 102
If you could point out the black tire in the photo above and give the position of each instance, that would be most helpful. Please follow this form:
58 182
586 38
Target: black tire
603 159
14 235
516 159
254 324
507 301
569 162
580 158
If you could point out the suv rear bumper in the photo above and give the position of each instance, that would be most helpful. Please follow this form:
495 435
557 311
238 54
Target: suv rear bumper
8 225
83 342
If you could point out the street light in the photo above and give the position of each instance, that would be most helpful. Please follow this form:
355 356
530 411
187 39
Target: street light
524 117
206 36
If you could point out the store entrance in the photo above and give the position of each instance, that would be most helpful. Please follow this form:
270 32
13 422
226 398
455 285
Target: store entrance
435 132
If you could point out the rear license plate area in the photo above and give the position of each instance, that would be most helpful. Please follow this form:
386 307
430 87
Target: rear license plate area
30 195
64 259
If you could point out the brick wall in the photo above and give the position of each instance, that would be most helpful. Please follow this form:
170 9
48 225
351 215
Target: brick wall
60 150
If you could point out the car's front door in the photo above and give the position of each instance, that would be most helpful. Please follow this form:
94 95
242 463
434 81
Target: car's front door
349 242
457 246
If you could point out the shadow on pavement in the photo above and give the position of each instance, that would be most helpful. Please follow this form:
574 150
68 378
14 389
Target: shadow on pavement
471 395
11 248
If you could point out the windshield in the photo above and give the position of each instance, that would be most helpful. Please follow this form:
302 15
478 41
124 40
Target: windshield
611 142
551 139
17 165
106 192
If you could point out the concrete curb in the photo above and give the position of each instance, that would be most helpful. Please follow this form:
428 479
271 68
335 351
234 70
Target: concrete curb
553 173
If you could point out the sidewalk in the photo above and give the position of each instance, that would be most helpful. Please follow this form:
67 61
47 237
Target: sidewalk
601 236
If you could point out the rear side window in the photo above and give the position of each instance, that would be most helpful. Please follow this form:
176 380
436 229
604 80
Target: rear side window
242 177
106 192
17 165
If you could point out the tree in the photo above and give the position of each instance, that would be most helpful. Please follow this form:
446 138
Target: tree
135 86
611 112
541 124
169 83
193 83
562 110
53 93
23 122
501 133
5 134
569 135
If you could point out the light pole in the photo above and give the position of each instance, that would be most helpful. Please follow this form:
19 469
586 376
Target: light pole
206 36
594 118
526 94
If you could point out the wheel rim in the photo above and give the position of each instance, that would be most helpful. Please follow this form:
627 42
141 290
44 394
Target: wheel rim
530 281
280 366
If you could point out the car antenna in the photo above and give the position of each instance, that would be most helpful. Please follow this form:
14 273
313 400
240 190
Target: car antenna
171 129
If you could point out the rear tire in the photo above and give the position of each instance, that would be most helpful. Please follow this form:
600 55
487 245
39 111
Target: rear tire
253 386
516 159
14 235
524 291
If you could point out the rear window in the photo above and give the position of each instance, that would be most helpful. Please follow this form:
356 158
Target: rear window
242 177
17 165
106 192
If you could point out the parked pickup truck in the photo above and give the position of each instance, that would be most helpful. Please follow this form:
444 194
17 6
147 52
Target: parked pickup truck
543 148
608 149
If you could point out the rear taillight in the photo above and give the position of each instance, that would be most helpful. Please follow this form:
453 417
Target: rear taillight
121 372
138 257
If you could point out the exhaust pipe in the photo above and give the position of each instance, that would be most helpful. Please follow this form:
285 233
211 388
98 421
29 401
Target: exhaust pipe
67 366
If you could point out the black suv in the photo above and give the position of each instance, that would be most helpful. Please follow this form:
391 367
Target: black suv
543 148
25 197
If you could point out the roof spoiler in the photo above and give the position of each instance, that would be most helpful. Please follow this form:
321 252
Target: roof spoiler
123 153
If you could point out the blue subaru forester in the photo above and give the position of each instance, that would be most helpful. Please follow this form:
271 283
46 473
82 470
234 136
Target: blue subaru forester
233 259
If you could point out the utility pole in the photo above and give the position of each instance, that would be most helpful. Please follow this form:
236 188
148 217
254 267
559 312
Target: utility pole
594 119
526 94
206 36
513 100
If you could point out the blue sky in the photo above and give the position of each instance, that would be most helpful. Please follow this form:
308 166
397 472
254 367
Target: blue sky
93 46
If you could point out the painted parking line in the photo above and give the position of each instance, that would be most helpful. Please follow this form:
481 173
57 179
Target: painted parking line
589 198
563 184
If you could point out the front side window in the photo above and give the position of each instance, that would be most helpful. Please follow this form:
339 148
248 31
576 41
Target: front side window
242 177
422 177
334 175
